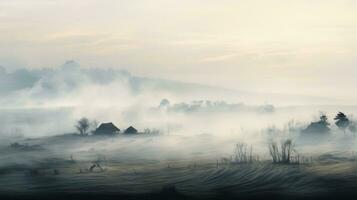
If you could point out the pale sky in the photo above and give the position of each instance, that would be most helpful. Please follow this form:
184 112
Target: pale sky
295 46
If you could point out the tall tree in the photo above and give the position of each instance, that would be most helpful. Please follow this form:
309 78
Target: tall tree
342 121
82 126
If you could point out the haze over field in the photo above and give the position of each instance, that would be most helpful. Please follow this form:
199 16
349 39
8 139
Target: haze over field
214 99
48 101
272 61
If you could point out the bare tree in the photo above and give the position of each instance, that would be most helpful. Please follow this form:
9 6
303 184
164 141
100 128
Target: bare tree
82 126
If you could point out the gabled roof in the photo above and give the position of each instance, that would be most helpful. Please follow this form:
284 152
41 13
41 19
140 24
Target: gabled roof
317 127
131 130
107 127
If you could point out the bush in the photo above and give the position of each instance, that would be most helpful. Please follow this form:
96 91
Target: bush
244 154
284 153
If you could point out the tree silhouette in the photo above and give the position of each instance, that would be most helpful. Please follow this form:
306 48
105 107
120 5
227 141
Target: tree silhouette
342 121
82 126
323 120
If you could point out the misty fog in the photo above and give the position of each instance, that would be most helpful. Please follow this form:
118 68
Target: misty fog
178 99
188 135
195 120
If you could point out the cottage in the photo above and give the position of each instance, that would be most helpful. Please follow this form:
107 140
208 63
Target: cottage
107 129
131 130
320 126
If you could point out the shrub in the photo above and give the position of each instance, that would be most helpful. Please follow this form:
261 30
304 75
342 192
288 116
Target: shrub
244 154
284 153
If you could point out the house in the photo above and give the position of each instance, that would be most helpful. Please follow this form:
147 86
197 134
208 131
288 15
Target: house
320 126
107 129
131 130
316 127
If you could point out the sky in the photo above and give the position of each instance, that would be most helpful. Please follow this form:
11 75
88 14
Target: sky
273 46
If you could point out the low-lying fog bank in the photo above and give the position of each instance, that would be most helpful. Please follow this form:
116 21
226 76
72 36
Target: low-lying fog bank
178 147
193 155
189 166
248 143
38 122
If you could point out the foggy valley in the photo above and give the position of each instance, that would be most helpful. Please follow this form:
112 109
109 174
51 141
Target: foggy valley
182 127
178 99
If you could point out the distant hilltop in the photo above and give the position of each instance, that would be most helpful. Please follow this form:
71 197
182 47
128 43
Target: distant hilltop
70 76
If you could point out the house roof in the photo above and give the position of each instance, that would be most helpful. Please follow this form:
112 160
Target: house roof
107 127
131 130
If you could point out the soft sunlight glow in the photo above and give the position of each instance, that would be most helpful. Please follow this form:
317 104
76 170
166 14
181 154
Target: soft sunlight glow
300 46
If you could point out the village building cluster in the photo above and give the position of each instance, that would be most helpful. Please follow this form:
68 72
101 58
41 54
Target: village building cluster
111 129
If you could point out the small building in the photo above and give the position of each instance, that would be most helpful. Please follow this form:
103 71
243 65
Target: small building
320 126
107 129
316 127
131 130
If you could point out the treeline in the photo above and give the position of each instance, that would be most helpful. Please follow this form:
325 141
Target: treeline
323 126
212 106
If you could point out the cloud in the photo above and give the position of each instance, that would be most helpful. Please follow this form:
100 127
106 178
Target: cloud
233 44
